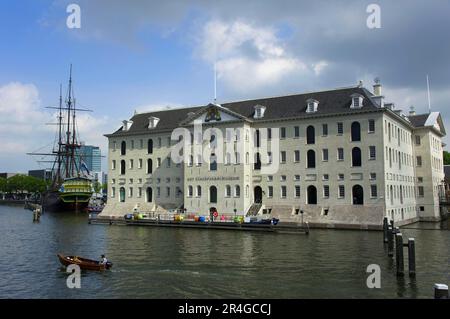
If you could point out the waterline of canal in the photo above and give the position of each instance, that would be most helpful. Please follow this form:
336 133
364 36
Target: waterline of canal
152 262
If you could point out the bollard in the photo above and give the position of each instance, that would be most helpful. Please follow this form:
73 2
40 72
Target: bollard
392 224
411 257
440 291
399 254
385 230
390 242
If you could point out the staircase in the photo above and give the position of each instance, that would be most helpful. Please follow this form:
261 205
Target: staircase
254 209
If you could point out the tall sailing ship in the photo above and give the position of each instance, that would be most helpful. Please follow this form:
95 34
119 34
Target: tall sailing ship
71 187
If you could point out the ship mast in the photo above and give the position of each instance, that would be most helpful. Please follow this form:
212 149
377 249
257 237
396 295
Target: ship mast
58 174
66 155
71 140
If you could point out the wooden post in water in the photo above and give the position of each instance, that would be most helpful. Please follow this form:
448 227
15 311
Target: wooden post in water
392 224
399 255
390 241
385 230
440 291
411 257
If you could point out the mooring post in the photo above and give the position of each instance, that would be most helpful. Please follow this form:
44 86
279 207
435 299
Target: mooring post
390 242
399 254
411 257
392 224
385 230
440 291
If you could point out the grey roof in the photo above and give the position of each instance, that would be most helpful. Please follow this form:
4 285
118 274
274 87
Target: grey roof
331 102
418 120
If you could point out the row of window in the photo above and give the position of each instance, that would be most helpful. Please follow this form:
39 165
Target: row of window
355 131
310 159
436 144
401 192
123 145
394 131
401 158
403 178
436 163
235 191
140 164
310 136
148 193
401 211
168 180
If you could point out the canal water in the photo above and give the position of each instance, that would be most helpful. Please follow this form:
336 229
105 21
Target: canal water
194 263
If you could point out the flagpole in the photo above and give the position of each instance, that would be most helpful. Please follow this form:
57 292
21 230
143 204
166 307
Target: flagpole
215 82
428 93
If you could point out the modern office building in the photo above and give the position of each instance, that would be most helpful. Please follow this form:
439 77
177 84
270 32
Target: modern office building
7 175
45 174
337 158
91 156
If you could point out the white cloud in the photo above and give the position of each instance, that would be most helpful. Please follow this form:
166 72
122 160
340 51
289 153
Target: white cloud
23 129
248 57
19 105
160 106
319 67
243 74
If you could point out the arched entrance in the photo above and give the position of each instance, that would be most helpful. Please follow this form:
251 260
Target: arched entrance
149 195
258 194
312 195
358 195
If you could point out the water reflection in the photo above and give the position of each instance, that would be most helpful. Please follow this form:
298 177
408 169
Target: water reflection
191 263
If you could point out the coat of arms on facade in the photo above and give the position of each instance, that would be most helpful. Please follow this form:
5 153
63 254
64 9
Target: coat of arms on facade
212 114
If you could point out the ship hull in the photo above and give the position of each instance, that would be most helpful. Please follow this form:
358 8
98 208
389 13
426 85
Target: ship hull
53 202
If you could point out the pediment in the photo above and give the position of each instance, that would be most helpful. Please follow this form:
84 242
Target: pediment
213 113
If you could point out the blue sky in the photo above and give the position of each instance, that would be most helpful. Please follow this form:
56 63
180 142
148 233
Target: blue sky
150 54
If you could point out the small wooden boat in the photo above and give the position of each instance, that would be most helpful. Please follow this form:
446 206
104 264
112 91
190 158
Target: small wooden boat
86 264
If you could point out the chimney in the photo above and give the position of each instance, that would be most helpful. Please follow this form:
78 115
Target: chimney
412 110
377 87
379 99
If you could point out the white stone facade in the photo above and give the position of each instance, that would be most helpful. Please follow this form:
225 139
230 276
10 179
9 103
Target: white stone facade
340 169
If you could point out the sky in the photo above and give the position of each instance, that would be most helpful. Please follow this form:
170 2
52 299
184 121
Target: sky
141 56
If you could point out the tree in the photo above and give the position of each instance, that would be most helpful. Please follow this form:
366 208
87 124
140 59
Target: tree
3 185
97 187
17 184
446 158
20 184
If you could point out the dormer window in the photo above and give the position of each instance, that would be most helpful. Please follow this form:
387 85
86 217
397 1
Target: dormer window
311 105
126 125
152 122
357 101
259 111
